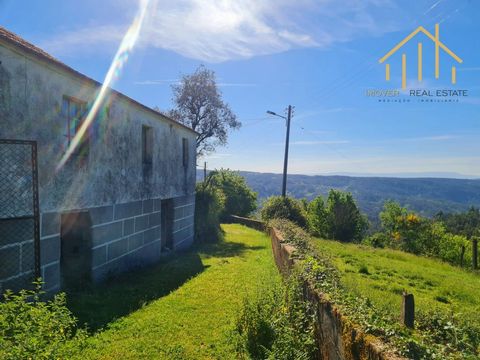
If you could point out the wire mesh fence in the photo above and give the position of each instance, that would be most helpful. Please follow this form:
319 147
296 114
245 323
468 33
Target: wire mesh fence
19 215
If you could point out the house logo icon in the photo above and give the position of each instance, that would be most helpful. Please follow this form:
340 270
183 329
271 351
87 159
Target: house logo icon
438 45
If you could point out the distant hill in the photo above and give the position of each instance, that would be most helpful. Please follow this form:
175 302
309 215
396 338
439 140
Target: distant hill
427 196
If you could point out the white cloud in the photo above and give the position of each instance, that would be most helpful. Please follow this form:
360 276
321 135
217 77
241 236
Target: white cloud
326 142
220 30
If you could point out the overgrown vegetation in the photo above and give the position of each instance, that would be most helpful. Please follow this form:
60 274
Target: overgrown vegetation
277 324
223 193
209 205
240 200
34 329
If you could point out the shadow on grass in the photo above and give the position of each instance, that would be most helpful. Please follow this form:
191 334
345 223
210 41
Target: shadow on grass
99 305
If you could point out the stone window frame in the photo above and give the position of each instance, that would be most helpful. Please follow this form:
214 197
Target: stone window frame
73 123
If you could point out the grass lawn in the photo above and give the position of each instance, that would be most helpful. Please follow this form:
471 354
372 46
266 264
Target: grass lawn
184 308
382 274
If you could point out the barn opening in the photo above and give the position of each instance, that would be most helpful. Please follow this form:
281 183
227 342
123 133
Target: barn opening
76 249
167 225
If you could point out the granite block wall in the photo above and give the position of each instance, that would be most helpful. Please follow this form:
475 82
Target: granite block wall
124 237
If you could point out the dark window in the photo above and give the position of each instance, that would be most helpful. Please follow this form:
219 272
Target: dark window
147 149
185 152
74 111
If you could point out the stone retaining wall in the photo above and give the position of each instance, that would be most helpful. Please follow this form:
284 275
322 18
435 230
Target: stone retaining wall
336 336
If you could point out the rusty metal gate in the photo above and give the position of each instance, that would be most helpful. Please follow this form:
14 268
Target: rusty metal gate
19 215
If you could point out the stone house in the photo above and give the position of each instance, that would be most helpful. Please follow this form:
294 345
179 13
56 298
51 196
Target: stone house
125 196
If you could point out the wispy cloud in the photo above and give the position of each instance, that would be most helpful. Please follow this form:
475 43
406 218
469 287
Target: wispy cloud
177 81
157 82
315 142
426 138
220 30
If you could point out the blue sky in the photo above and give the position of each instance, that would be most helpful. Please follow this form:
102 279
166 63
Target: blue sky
320 56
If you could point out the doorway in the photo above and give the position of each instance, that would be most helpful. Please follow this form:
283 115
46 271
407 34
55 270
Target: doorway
76 249
167 225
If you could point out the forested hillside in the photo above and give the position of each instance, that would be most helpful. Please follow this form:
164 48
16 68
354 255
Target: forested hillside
426 196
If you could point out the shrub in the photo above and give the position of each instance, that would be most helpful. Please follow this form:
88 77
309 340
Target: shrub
209 205
278 207
239 198
378 240
35 329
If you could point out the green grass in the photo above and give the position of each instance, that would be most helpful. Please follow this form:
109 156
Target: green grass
382 275
184 308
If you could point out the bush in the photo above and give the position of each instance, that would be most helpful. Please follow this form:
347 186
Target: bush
378 240
277 324
239 198
209 204
35 329
278 207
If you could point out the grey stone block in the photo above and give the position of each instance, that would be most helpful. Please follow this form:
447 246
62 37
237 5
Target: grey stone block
28 257
15 231
50 224
184 244
151 235
155 219
157 204
106 233
49 250
128 226
101 214
99 256
117 248
147 206
135 241
128 210
141 223
10 260
51 276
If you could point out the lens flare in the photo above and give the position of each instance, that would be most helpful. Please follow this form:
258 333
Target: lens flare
119 60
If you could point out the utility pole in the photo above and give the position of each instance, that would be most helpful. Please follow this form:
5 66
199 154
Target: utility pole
287 142
285 161
204 171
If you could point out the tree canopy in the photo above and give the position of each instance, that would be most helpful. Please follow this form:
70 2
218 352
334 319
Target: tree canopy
199 105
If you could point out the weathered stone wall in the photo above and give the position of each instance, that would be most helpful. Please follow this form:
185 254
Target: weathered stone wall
252 223
124 236
31 95
111 184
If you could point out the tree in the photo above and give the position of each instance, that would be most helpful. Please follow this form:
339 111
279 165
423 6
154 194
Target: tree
199 105
345 222
239 198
